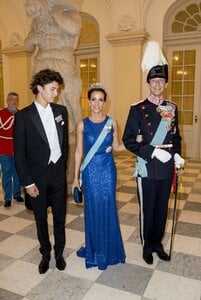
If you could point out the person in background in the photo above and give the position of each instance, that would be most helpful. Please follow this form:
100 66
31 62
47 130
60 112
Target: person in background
41 151
96 138
156 120
10 182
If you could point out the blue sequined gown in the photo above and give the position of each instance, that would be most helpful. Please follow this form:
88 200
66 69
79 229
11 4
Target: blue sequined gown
103 241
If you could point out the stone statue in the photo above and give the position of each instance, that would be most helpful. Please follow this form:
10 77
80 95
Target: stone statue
54 35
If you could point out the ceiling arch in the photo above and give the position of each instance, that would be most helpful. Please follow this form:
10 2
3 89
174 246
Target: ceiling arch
109 3
17 20
89 30
144 6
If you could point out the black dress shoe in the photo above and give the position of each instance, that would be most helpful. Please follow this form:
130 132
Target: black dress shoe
19 199
163 255
148 258
44 265
60 262
7 204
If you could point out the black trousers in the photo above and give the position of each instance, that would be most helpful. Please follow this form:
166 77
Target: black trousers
51 182
153 196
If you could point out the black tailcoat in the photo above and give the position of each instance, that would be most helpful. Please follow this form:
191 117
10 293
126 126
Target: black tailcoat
32 153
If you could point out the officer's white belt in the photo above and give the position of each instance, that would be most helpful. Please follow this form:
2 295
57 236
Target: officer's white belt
163 146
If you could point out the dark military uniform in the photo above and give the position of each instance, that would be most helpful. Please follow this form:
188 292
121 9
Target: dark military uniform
154 189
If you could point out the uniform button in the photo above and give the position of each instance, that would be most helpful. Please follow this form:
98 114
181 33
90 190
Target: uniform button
146 115
151 133
149 124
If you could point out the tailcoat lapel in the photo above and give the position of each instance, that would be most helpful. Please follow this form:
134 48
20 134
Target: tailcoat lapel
34 115
58 118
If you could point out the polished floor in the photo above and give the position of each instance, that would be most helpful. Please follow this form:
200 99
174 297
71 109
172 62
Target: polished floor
179 279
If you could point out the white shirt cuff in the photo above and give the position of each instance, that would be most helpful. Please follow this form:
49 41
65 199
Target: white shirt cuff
30 185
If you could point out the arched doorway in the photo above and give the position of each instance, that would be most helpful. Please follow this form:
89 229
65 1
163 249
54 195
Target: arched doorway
87 57
182 37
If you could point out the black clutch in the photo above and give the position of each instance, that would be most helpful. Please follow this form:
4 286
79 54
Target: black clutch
77 195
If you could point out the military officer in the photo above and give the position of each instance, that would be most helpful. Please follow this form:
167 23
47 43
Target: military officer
156 121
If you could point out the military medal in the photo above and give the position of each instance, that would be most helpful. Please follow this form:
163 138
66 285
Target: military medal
166 112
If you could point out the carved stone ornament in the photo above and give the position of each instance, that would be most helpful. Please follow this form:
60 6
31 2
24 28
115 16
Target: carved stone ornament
15 40
126 23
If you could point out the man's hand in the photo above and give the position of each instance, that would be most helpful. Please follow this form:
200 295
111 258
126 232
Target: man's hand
162 155
32 191
139 138
178 160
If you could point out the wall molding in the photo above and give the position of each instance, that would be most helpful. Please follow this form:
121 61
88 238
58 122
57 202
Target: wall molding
187 38
127 38
15 51
84 49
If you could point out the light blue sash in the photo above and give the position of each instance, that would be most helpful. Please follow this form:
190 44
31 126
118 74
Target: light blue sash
159 137
97 144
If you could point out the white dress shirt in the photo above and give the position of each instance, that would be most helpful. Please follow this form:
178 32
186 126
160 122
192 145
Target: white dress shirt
49 125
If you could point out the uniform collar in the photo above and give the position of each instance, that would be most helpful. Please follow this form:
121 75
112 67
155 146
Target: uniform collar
155 101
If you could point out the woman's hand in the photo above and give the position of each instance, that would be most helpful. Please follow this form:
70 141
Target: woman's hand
75 184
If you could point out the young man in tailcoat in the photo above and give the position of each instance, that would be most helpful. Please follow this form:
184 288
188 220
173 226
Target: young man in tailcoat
41 150
156 121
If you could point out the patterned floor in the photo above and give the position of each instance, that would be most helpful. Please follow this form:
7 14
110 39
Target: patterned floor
179 279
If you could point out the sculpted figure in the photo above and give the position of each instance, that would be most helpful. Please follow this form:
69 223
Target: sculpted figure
54 35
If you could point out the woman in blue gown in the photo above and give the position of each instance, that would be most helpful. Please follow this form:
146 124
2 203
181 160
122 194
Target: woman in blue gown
103 241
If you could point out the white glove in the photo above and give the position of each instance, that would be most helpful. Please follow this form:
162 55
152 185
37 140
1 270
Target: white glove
161 155
178 160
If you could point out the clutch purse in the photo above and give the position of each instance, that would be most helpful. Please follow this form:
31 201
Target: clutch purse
77 195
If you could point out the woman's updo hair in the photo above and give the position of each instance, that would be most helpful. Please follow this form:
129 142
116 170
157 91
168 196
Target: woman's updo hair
98 87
